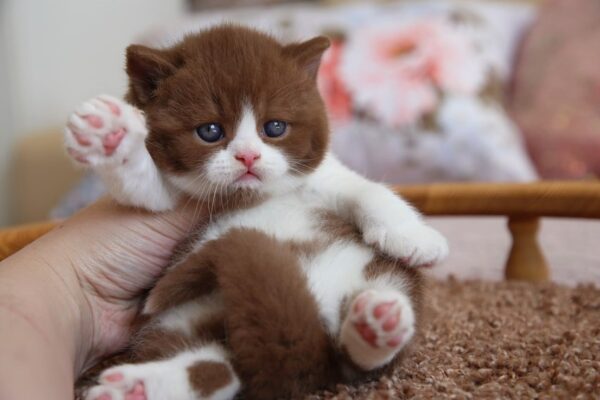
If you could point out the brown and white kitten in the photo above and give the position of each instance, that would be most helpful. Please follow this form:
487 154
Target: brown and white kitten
301 278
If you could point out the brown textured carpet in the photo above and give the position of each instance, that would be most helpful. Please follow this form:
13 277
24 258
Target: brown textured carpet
498 340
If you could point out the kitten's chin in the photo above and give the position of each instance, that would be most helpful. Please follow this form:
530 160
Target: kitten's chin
248 177
248 181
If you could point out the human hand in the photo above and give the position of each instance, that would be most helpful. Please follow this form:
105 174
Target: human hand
80 286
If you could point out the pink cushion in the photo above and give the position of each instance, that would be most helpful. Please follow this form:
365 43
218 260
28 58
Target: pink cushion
556 93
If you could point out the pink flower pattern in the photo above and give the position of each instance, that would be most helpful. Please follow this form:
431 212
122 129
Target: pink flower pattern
332 89
397 73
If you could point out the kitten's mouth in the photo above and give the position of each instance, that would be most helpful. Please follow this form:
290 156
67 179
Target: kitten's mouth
248 176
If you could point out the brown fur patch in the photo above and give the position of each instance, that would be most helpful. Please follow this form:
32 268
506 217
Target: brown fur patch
206 377
280 345
338 228
414 280
154 343
208 210
193 277
211 328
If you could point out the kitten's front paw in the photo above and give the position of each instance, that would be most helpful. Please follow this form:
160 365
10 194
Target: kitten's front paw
378 325
413 242
104 130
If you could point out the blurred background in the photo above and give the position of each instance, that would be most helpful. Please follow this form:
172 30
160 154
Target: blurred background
53 55
418 91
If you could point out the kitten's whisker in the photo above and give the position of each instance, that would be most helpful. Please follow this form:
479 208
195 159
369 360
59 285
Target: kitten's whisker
197 193
190 196
213 203
222 194
196 208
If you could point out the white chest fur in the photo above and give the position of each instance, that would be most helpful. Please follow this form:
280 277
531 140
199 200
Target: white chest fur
290 217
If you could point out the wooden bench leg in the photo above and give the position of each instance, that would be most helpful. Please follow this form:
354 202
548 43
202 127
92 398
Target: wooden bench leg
526 260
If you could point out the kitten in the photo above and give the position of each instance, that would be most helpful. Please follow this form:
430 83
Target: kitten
300 279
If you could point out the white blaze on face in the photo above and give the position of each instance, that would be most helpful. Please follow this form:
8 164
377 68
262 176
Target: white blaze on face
247 139
225 166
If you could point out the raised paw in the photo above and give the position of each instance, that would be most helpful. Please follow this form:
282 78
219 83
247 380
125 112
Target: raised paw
414 243
104 130
378 325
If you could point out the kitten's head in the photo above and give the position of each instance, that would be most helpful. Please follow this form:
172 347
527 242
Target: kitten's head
231 109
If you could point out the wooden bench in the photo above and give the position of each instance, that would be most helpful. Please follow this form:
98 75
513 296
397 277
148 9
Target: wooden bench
522 204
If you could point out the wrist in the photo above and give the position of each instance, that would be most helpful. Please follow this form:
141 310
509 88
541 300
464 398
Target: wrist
34 364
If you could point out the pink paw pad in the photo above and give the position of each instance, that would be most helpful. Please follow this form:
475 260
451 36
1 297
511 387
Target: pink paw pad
137 393
94 121
118 385
114 109
111 141
395 342
360 304
383 309
116 377
367 333
81 139
377 321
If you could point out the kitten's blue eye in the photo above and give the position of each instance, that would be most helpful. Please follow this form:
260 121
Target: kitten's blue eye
210 132
275 128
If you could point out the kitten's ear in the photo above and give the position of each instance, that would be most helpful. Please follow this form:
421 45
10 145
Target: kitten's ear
146 68
308 54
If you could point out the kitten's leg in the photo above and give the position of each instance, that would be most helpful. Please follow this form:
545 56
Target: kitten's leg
177 357
385 220
381 315
190 278
274 329
194 374
107 135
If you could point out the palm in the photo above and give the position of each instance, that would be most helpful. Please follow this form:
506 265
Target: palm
125 252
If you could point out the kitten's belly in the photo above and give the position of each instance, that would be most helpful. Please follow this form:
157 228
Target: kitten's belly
334 269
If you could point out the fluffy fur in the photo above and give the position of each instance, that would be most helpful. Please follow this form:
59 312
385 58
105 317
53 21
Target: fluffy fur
302 276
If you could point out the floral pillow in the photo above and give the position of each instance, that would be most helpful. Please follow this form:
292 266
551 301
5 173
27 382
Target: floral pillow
416 95
414 89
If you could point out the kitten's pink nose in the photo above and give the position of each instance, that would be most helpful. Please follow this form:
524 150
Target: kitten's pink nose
247 157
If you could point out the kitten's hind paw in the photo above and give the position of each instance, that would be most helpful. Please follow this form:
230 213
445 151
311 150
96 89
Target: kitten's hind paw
378 325
199 374
120 383
104 130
